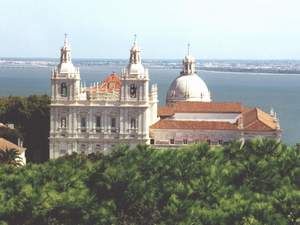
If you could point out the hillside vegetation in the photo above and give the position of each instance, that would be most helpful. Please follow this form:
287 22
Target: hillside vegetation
256 182
31 117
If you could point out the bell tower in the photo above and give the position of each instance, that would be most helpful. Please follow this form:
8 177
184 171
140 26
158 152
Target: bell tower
65 79
135 99
134 78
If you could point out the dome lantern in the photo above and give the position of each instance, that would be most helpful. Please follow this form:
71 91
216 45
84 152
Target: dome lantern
188 86
189 64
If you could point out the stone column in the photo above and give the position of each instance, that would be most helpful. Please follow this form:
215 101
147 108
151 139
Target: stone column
70 120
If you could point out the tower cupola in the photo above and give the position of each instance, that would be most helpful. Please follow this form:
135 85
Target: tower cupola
135 65
66 65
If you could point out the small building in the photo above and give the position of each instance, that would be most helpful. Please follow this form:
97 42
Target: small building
7 145
212 122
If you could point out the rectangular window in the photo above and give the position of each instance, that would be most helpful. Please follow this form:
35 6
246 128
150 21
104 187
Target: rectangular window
83 147
185 141
208 141
133 123
98 147
151 141
220 142
63 90
98 123
172 141
63 122
83 124
113 124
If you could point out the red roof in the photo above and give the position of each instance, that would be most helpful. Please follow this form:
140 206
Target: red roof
110 84
193 125
165 111
5 144
201 107
252 119
255 119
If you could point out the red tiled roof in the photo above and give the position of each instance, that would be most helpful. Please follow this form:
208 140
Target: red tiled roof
110 84
165 111
252 119
5 144
255 119
193 125
201 107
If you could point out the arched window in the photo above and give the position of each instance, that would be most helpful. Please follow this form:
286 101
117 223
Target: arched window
63 90
133 90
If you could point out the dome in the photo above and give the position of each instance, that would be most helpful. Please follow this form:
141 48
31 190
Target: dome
136 69
188 88
66 68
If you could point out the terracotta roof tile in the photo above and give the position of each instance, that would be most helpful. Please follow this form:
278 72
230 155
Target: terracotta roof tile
253 119
256 119
202 107
165 111
5 144
110 84
193 125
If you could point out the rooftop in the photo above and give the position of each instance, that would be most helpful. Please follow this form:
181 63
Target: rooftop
5 144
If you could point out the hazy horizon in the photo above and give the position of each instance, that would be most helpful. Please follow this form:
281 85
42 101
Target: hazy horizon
127 58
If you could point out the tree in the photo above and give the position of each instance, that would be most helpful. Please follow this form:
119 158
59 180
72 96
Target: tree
255 182
10 156
31 116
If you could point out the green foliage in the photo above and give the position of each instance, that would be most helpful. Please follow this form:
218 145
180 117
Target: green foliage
11 135
10 156
256 182
30 115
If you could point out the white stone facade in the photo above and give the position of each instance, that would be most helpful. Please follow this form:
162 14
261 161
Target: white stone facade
122 110
88 121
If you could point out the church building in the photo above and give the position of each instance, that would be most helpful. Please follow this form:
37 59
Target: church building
89 119
122 109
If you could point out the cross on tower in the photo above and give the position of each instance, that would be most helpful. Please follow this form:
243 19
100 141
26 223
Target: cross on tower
66 38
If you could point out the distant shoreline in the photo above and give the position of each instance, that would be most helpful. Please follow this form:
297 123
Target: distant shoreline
281 67
275 73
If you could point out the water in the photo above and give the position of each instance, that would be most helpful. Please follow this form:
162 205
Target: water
280 91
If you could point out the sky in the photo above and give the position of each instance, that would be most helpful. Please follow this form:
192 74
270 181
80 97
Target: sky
215 29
